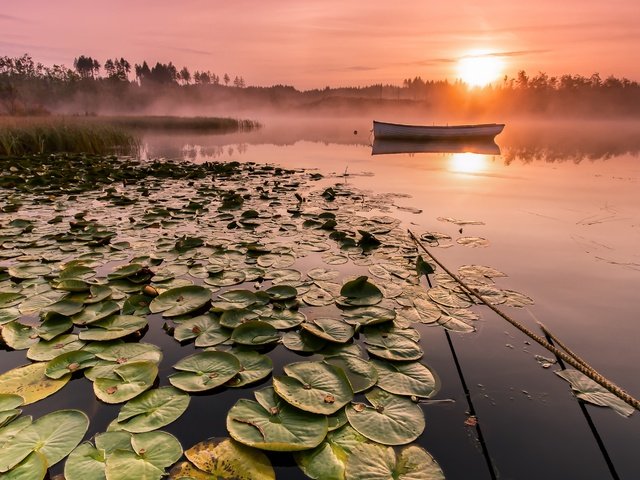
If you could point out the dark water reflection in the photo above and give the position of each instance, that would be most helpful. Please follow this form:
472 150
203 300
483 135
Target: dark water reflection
560 210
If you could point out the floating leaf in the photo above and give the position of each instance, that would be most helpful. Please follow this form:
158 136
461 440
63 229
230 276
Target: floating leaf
328 460
392 346
447 298
375 462
95 312
33 467
111 356
281 293
181 300
391 420
226 459
117 326
330 329
255 332
85 463
70 362
302 342
125 382
54 435
18 335
272 424
592 392
371 315
405 378
360 292
315 387
151 410
253 368
284 319
361 374
204 371
31 383
48 350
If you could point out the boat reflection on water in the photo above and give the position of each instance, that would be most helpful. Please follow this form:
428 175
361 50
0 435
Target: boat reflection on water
387 147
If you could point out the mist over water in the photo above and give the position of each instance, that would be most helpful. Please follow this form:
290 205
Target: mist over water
559 207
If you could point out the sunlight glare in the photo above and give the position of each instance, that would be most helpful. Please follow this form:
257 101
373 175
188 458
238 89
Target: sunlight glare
480 69
468 162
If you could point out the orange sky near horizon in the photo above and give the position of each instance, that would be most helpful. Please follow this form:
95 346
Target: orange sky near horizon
318 43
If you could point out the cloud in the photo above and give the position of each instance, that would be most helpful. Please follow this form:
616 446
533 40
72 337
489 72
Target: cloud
11 18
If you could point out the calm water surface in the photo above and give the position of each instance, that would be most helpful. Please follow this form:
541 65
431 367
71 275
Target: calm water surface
560 208
560 212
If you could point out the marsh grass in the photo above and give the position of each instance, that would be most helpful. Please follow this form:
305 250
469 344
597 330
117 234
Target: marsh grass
99 135
25 136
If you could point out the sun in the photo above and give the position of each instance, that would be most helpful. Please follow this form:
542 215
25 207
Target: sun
480 69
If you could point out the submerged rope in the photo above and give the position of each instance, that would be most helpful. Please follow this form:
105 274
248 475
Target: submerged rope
570 358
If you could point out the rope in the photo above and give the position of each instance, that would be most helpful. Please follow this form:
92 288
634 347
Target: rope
572 359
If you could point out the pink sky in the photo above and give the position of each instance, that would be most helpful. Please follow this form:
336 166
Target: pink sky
315 43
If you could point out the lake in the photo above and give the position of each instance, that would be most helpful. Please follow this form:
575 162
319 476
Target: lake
556 211
560 212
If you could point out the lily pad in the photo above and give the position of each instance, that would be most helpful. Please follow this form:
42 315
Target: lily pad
224 460
281 293
86 462
406 378
117 326
448 298
151 410
204 371
117 354
393 346
18 335
95 312
69 362
372 315
206 329
181 300
302 342
361 374
272 424
391 420
375 462
125 382
54 435
31 383
255 332
330 329
360 292
315 387
592 392
284 319
253 368
48 350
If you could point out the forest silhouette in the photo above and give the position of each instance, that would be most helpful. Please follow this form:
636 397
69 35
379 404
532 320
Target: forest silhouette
28 87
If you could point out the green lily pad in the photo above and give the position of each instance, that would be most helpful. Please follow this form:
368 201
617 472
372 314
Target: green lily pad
70 362
9 315
181 300
315 387
54 435
53 326
375 462
204 371
272 424
114 355
328 460
281 293
24 272
359 292
137 305
284 319
255 332
226 278
31 383
18 335
152 453
125 382
236 317
65 306
33 467
44 351
428 312
110 328
9 431
361 374
253 368
86 462
242 298
371 315
318 297
391 420
151 410
206 329
125 271
302 341
95 312
406 378
392 346
330 329
10 299
447 298
98 293
225 459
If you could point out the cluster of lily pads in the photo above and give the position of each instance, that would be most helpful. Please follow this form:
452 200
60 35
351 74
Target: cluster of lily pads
240 260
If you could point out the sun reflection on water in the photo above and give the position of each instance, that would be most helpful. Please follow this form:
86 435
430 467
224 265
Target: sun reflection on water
468 162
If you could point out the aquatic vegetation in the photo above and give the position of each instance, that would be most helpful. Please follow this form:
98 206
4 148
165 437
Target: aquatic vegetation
96 252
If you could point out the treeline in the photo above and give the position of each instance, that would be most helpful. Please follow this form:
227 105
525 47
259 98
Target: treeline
117 87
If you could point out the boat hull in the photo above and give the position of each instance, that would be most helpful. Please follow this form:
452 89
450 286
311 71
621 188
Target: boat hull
383 146
395 131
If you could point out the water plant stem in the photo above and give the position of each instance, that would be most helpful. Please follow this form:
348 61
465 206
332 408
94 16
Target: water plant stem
584 368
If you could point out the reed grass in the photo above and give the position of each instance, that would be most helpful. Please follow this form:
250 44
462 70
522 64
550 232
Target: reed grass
99 135
25 136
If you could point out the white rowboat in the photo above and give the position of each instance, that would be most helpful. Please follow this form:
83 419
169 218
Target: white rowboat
397 131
